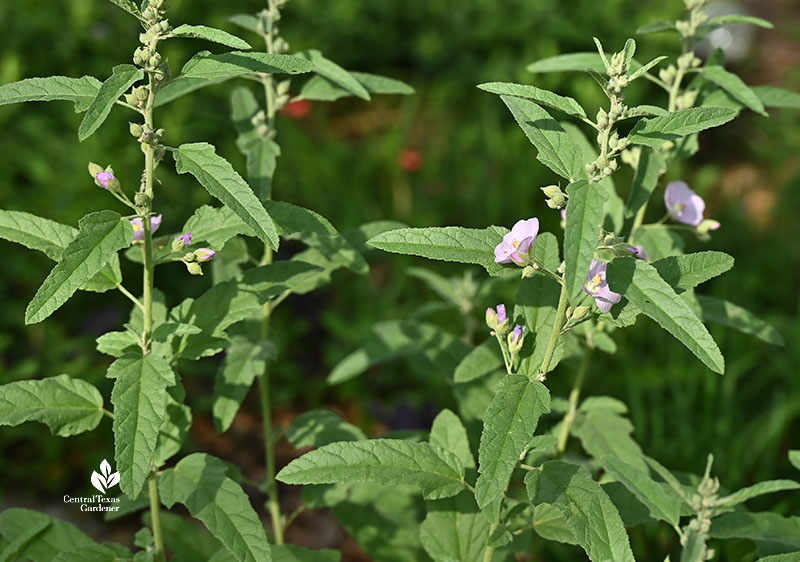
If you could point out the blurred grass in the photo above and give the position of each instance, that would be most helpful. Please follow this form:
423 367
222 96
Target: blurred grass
477 169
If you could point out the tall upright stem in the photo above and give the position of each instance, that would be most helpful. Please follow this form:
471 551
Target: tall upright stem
563 299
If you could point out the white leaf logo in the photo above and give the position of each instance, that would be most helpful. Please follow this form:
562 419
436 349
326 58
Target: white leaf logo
105 480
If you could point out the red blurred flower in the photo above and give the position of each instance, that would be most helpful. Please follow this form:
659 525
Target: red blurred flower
410 160
299 109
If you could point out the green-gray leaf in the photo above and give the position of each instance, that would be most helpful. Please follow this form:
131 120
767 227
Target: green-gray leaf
733 316
210 34
236 63
449 243
767 487
543 97
80 91
650 167
454 530
335 73
215 225
734 86
740 18
68 406
656 27
555 147
57 537
36 233
595 522
662 502
320 88
220 179
658 130
508 425
584 223
129 7
570 62
436 472
479 362
140 403
244 361
760 527
640 283
604 432
122 77
317 428
93 553
200 483
100 236
689 270
771 96
449 433
182 85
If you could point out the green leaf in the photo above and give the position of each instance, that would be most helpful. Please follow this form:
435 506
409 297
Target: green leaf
244 361
662 502
740 18
261 152
479 362
221 181
584 223
245 21
376 84
688 271
316 428
210 34
123 76
36 233
656 27
93 553
604 432
735 87
544 97
595 522
449 433
449 243
59 535
771 96
794 459
570 62
100 236
180 86
319 88
556 149
236 63
139 399
129 7
335 73
68 406
508 425
767 487
438 349
80 91
176 425
15 547
436 472
656 131
761 527
659 241
215 225
200 483
650 167
293 553
186 539
732 315
454 530
549 523
640 283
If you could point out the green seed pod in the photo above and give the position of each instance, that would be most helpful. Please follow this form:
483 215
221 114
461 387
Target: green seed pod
135 129
194 268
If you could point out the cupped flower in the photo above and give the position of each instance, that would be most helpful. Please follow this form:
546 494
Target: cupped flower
517 243
138 227
181 242
104 177
203 254
498 320
597 286
683 204
639 252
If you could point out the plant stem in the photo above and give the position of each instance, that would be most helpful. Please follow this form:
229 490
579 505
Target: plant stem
155 517
488 554
574 396
554 335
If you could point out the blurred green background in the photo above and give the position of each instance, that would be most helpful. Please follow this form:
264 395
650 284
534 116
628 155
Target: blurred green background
345 160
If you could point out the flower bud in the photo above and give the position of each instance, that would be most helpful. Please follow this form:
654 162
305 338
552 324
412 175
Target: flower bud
203 254
194 268
181 242
497 321
580 312
515 339
602 118
707 225
95 169
141 199
135 129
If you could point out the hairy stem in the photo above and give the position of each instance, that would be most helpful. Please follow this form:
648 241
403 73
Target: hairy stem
554 335
574 396
155 517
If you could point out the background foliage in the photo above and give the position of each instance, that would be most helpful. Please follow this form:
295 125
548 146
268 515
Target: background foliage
350 162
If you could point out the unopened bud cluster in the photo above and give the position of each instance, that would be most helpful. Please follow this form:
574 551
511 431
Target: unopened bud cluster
696 17
556 199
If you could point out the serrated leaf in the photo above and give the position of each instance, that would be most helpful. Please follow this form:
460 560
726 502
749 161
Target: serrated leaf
57 537
740 18
570 62
454 530
658 130
750 492
449 243
140 403
437 473
479 362
316 428
449 433
761 527
80 91
200 483
771 96
640 283
100 236
604 432
584 223
508 425
595 522
210 34
236 63
122 77
67 406
319 88
244 361
734 86
732 315
335 73
662 502
689 270
220 179
555 147
543 97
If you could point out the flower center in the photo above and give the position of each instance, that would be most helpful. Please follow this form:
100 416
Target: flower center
593 285
516 244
